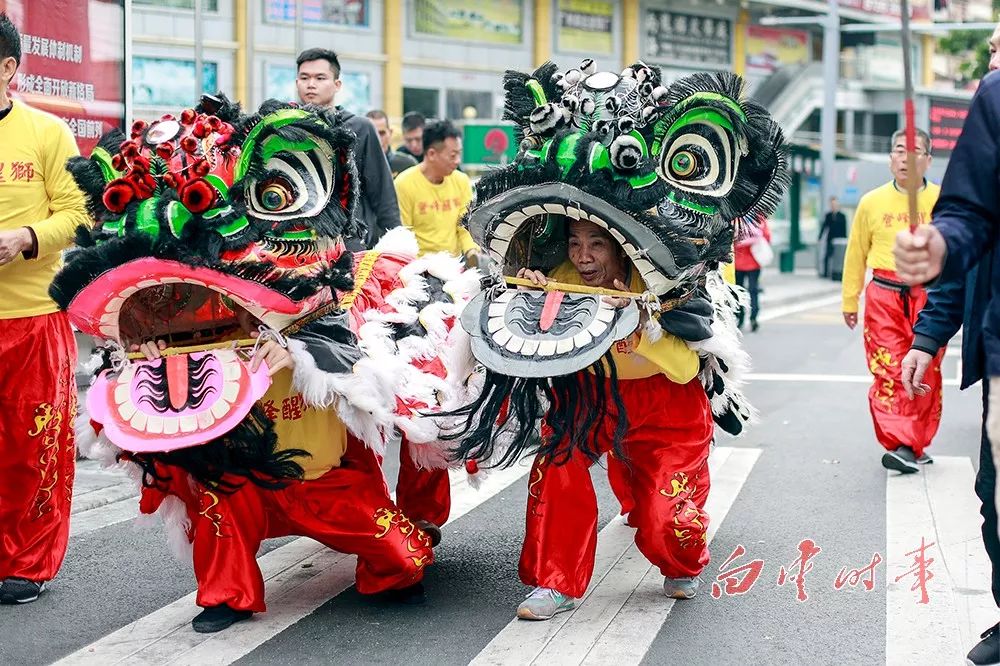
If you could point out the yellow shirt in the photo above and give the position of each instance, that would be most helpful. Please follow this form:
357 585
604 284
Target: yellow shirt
36 191
433 211
668 355
881 214
299 426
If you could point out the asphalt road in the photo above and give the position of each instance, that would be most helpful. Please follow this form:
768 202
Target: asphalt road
811 472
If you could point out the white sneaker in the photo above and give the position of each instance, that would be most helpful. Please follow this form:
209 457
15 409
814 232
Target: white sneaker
681 588
542 603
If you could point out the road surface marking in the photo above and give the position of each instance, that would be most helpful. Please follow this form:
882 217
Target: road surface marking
625 596
808 377
939 505
300 577
779 311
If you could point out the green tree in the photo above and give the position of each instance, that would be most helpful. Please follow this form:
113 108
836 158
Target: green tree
973 47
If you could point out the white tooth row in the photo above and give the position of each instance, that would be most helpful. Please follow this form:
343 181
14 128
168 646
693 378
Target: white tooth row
515 344
109 320
170 425
504 232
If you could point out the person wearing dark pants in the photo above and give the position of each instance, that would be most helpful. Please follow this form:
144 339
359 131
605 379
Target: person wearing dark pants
834 226
950 305
748 269
750 280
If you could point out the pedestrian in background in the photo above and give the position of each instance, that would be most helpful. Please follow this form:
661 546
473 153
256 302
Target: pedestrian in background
398 162
903 426
834 227
413 135
751 251
317 83
434 195
40 209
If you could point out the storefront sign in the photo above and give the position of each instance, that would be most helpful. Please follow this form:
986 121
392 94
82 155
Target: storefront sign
496 22
72 67
947 116
586 26
770 49
678 37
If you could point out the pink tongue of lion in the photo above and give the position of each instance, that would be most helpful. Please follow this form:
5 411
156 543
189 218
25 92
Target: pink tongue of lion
553 300
177 380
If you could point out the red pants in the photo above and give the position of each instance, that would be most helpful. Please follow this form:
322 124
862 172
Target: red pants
889 319
37 453
664 484
348 509
422 494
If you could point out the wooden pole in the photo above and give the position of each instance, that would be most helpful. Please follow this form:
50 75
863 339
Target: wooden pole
173 351
574 288
912 186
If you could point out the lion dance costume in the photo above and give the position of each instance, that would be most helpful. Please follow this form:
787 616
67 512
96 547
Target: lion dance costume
216 217
670 174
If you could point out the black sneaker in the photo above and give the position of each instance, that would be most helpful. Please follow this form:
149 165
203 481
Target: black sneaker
432 531
754 326
217 618
924 459
20 591
987 652
902 460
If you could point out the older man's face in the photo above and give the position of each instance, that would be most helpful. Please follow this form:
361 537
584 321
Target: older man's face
897 160
595 254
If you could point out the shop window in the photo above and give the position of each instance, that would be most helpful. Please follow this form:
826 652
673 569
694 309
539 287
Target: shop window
468 105
168 82
206 5
421 100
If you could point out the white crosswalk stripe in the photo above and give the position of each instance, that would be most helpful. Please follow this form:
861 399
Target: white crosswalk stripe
939 506
101 498
624 607
624 610
299 578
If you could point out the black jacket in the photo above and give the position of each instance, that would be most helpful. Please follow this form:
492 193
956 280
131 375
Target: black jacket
835 224
955 304
968 211
378 209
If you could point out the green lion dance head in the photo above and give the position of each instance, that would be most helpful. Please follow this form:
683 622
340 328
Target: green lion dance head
672 173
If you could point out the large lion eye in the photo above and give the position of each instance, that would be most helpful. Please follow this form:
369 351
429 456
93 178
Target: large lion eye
683 164
275 194
296 181
700 154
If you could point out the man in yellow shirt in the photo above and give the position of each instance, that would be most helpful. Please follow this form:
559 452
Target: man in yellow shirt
433 196
903 426
40 208
664 484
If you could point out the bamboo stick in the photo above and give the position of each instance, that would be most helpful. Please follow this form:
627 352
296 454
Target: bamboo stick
173 351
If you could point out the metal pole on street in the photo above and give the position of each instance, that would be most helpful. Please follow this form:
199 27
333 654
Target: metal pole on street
911 127
828 115
199 75
299 26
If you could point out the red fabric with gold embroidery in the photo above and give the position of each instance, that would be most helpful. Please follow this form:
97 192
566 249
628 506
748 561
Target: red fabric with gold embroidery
422 493
37 453
889 320
348 509
664 486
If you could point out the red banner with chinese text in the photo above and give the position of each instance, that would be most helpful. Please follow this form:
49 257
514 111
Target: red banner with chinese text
72 62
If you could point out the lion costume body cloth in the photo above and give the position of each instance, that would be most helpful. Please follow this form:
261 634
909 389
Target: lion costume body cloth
669 175
217 230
